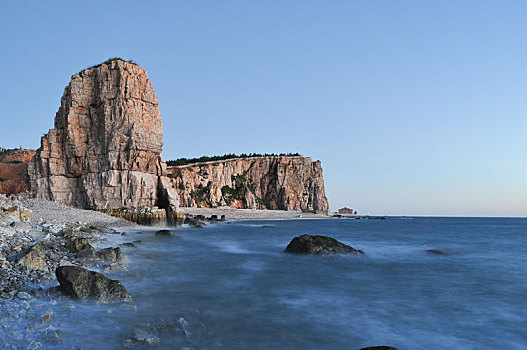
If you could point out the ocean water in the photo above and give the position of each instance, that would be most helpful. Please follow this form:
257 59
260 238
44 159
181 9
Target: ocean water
231 286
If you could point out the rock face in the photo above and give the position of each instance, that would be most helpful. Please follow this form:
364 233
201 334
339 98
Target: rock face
13 170
83 284
272 182
308 244
105 149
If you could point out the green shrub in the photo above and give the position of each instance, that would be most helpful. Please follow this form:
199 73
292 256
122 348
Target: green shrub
203 159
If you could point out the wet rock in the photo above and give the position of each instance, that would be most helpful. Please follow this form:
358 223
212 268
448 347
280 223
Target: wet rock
35 258
114 266
75 244
111 254
166 233
83 284
308 244
86 253
382 347
127 245
436 252
194 222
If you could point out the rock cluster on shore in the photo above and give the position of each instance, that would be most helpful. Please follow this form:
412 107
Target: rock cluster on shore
31 248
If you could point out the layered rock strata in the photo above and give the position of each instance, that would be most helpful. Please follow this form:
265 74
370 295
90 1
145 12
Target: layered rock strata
272 182
105 149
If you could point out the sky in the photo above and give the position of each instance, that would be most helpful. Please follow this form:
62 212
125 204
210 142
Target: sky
413 107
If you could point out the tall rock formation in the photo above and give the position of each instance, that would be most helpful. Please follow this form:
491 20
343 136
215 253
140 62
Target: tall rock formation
271 182
105 149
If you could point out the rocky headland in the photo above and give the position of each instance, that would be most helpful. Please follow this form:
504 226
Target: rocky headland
105 149
268 182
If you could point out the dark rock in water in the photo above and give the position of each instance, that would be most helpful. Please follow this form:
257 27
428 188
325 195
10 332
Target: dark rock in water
267 226
76 244
111 254
166 233
194 222
83 284
382 347
436 252
222 218
308 244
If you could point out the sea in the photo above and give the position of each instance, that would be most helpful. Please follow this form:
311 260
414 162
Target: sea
423 283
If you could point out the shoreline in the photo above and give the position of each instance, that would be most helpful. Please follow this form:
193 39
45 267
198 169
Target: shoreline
251 214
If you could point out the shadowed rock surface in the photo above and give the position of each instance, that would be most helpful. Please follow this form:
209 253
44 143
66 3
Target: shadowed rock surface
83 284
308 244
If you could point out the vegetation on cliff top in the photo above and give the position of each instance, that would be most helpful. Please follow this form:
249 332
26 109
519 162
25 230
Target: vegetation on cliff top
108 61
203 159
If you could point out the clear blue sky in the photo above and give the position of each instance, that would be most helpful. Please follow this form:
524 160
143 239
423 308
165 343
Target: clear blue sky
413 107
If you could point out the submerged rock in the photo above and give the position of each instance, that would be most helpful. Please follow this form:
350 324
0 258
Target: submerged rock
83 284
382 347
308 244
166 233
436 252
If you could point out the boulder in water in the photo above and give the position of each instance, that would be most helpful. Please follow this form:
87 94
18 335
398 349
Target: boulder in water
166 233
83 284
308 244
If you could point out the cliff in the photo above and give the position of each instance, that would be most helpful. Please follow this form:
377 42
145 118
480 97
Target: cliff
273 182
13 170
105 149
